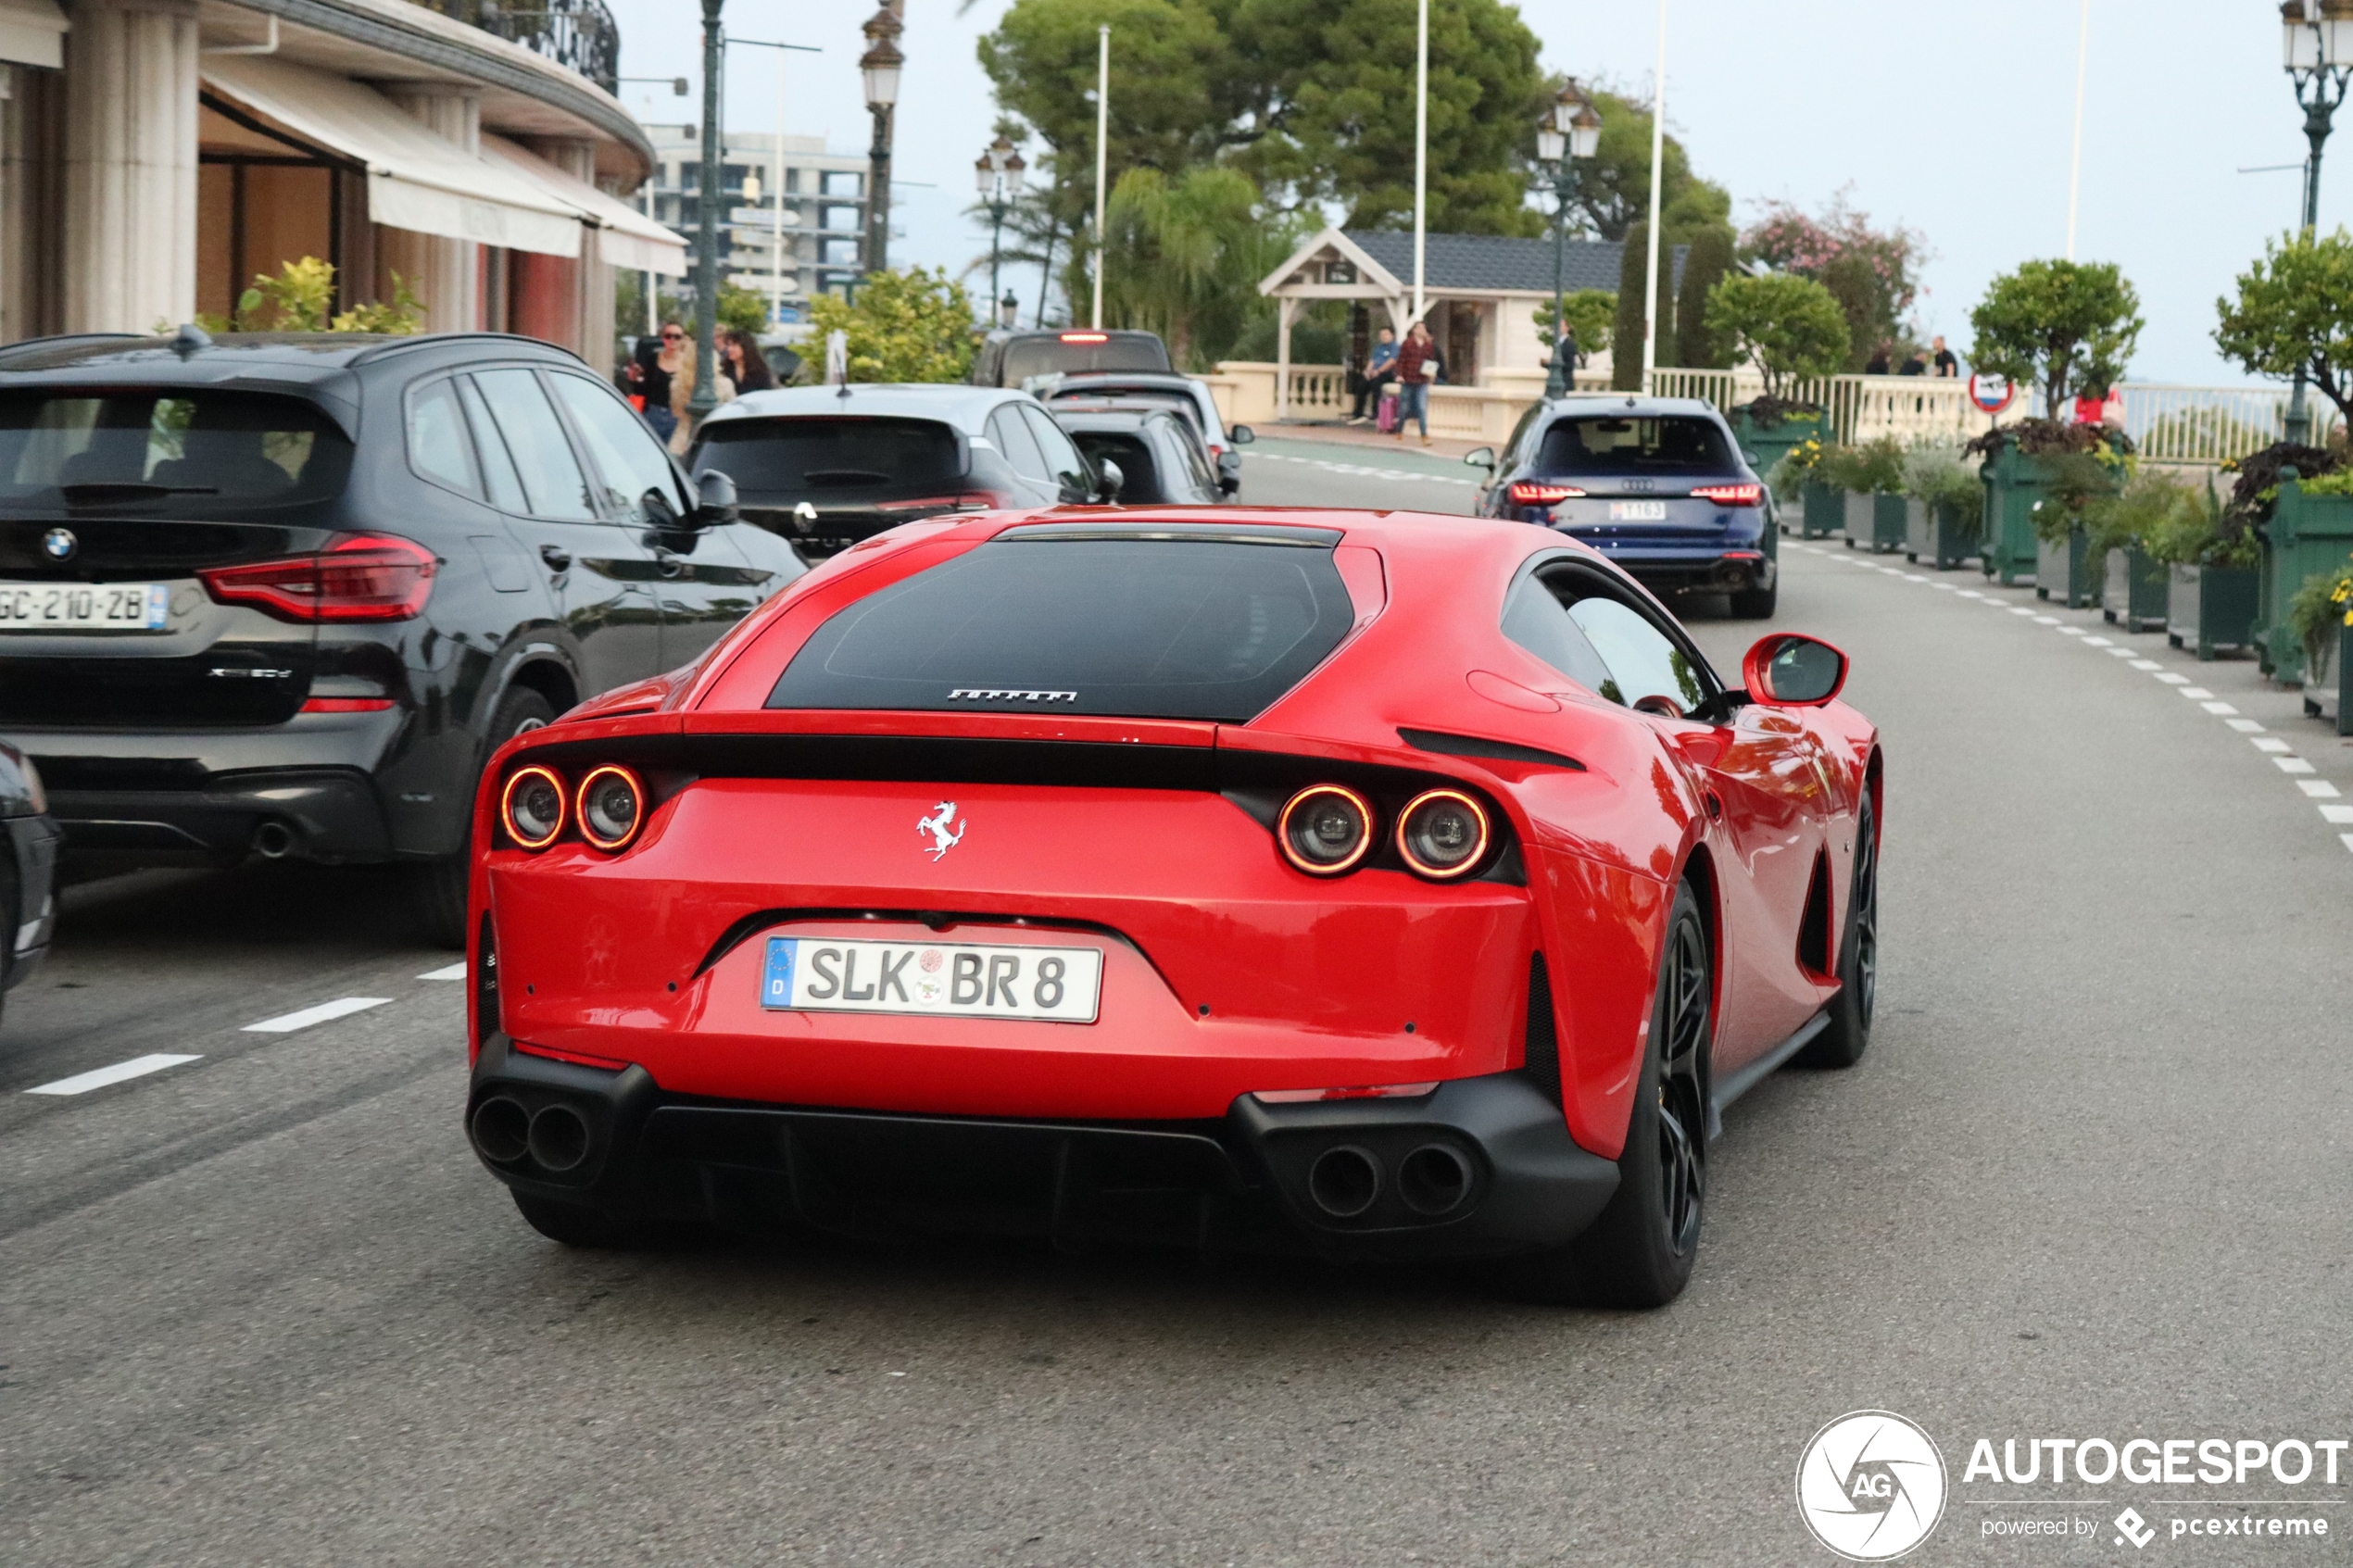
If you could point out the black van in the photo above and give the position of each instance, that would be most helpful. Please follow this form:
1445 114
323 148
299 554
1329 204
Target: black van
283 595
1023 359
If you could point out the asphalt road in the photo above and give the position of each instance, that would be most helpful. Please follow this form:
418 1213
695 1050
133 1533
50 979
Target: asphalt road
263 1306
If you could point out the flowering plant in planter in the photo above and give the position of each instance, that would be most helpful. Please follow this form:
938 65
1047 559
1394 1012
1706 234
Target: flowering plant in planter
2320 606
1937 476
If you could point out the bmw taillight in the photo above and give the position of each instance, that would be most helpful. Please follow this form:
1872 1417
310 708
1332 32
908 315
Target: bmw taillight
1527 493
531 807
1442 834
359 577
1729 494
1325 829
610 806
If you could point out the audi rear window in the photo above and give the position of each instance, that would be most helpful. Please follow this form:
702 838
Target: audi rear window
1195 628
1602 447
829 454
193 452
1026 358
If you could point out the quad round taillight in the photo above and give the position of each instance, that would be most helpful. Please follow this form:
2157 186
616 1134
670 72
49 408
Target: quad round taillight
1442 834
612 804
1325 829
532 807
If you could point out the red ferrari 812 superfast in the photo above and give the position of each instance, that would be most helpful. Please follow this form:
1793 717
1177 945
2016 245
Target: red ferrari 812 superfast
1378 884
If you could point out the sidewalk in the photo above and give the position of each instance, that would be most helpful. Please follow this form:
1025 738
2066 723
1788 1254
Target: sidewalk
1365 435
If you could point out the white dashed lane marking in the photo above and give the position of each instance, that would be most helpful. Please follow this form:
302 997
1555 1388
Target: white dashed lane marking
98 1078
2147 664
455 972
2218 708
2292 764
342 1007
2245 726
2318 789
2270 743
2336 814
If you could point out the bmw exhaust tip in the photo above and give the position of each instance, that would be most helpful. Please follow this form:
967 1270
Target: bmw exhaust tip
501 1130
1343 1181
558 1139
1434 1179
273 840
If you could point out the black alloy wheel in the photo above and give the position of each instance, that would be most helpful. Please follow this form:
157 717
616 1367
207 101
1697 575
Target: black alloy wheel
1843 1040
1640 1251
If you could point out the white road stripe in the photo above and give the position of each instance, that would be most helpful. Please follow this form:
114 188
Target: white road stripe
2270 743
2196 694
1968 593
2022 609
342 1007
2346 839
2218 708
2147 664
2245 726
2170 679
2336 814
455 972
2071 631
1914 577
2119 653
98 1078
2291 764
2096 643
2318 789
2046 621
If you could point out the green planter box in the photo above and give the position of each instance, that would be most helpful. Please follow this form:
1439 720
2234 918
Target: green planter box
2208 607
2063 571
2136 590
1767 444
1854 516
1824 510
2325 699
2013 483
1935 534
1887 523
2307 534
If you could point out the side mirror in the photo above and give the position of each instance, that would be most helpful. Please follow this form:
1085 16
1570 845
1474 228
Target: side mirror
1240 435
1788 669
1108 481
714 499
1481 458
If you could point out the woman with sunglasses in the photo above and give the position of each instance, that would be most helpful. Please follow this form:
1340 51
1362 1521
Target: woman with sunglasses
672 369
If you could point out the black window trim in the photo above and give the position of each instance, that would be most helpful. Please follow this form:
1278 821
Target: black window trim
1546 564
481 493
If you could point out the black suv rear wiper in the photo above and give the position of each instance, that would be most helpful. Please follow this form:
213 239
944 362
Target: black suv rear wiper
128 489
844 476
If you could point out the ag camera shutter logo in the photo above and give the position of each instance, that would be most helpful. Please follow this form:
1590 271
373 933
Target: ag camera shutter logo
1870 1486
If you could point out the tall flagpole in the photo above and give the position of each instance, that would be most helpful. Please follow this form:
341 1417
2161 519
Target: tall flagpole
776 238
1102 151
1421 154
1659 168
2075 160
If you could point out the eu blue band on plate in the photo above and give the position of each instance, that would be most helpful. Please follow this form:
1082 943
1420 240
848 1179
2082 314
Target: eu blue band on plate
776 975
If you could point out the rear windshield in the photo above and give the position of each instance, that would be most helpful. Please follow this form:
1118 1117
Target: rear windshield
1127 397
829 454
1028 356
193 452
1602 447
1139 627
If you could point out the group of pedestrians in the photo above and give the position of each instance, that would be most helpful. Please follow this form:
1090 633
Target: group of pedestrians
1410 367
662 380
1934 361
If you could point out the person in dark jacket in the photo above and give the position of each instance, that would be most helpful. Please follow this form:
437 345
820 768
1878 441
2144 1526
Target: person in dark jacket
1417 366
1377 371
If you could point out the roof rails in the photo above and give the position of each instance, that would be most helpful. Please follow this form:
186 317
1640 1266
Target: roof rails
424 340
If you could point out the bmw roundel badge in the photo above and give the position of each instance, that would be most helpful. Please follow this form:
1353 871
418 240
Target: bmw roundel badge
59 543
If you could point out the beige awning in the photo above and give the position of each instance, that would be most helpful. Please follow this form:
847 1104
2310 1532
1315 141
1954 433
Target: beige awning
625 237
32 32
417 179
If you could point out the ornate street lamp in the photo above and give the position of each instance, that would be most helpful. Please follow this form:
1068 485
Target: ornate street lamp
998 174
2318 38
880 66
1572 129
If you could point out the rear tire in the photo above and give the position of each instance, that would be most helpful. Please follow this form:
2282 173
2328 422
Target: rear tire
1754 603
437 888
1848 1035
1640 1251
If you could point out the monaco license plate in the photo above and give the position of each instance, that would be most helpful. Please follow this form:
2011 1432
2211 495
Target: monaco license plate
938 979
84 607
1638 511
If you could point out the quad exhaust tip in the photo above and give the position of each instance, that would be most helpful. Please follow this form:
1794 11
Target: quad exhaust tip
1344 1181
1434 1179
501 1130
558 1140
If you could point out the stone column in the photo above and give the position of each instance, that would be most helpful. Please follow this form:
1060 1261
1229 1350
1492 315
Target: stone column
130 214
444 273
575 282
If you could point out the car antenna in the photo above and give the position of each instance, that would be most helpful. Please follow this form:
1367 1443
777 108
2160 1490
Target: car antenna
189 339
837 361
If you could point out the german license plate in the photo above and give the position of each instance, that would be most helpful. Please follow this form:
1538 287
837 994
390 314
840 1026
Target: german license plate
1638 511
936 979
84 607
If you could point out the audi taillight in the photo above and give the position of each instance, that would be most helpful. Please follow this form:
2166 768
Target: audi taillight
531 807
1325 829
1442 834
1729 494
610 806
1529 493
359 577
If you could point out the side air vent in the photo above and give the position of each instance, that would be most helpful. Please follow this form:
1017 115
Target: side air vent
1495 750
1814 928
1542 1061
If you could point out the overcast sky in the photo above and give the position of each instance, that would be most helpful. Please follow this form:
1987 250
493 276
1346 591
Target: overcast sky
1952 117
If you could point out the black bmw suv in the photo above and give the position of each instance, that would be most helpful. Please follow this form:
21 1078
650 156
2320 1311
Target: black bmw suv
284 594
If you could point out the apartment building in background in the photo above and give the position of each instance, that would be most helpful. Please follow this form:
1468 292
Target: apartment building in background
823 199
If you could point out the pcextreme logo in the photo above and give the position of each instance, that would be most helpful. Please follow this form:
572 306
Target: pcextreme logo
1870 1486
